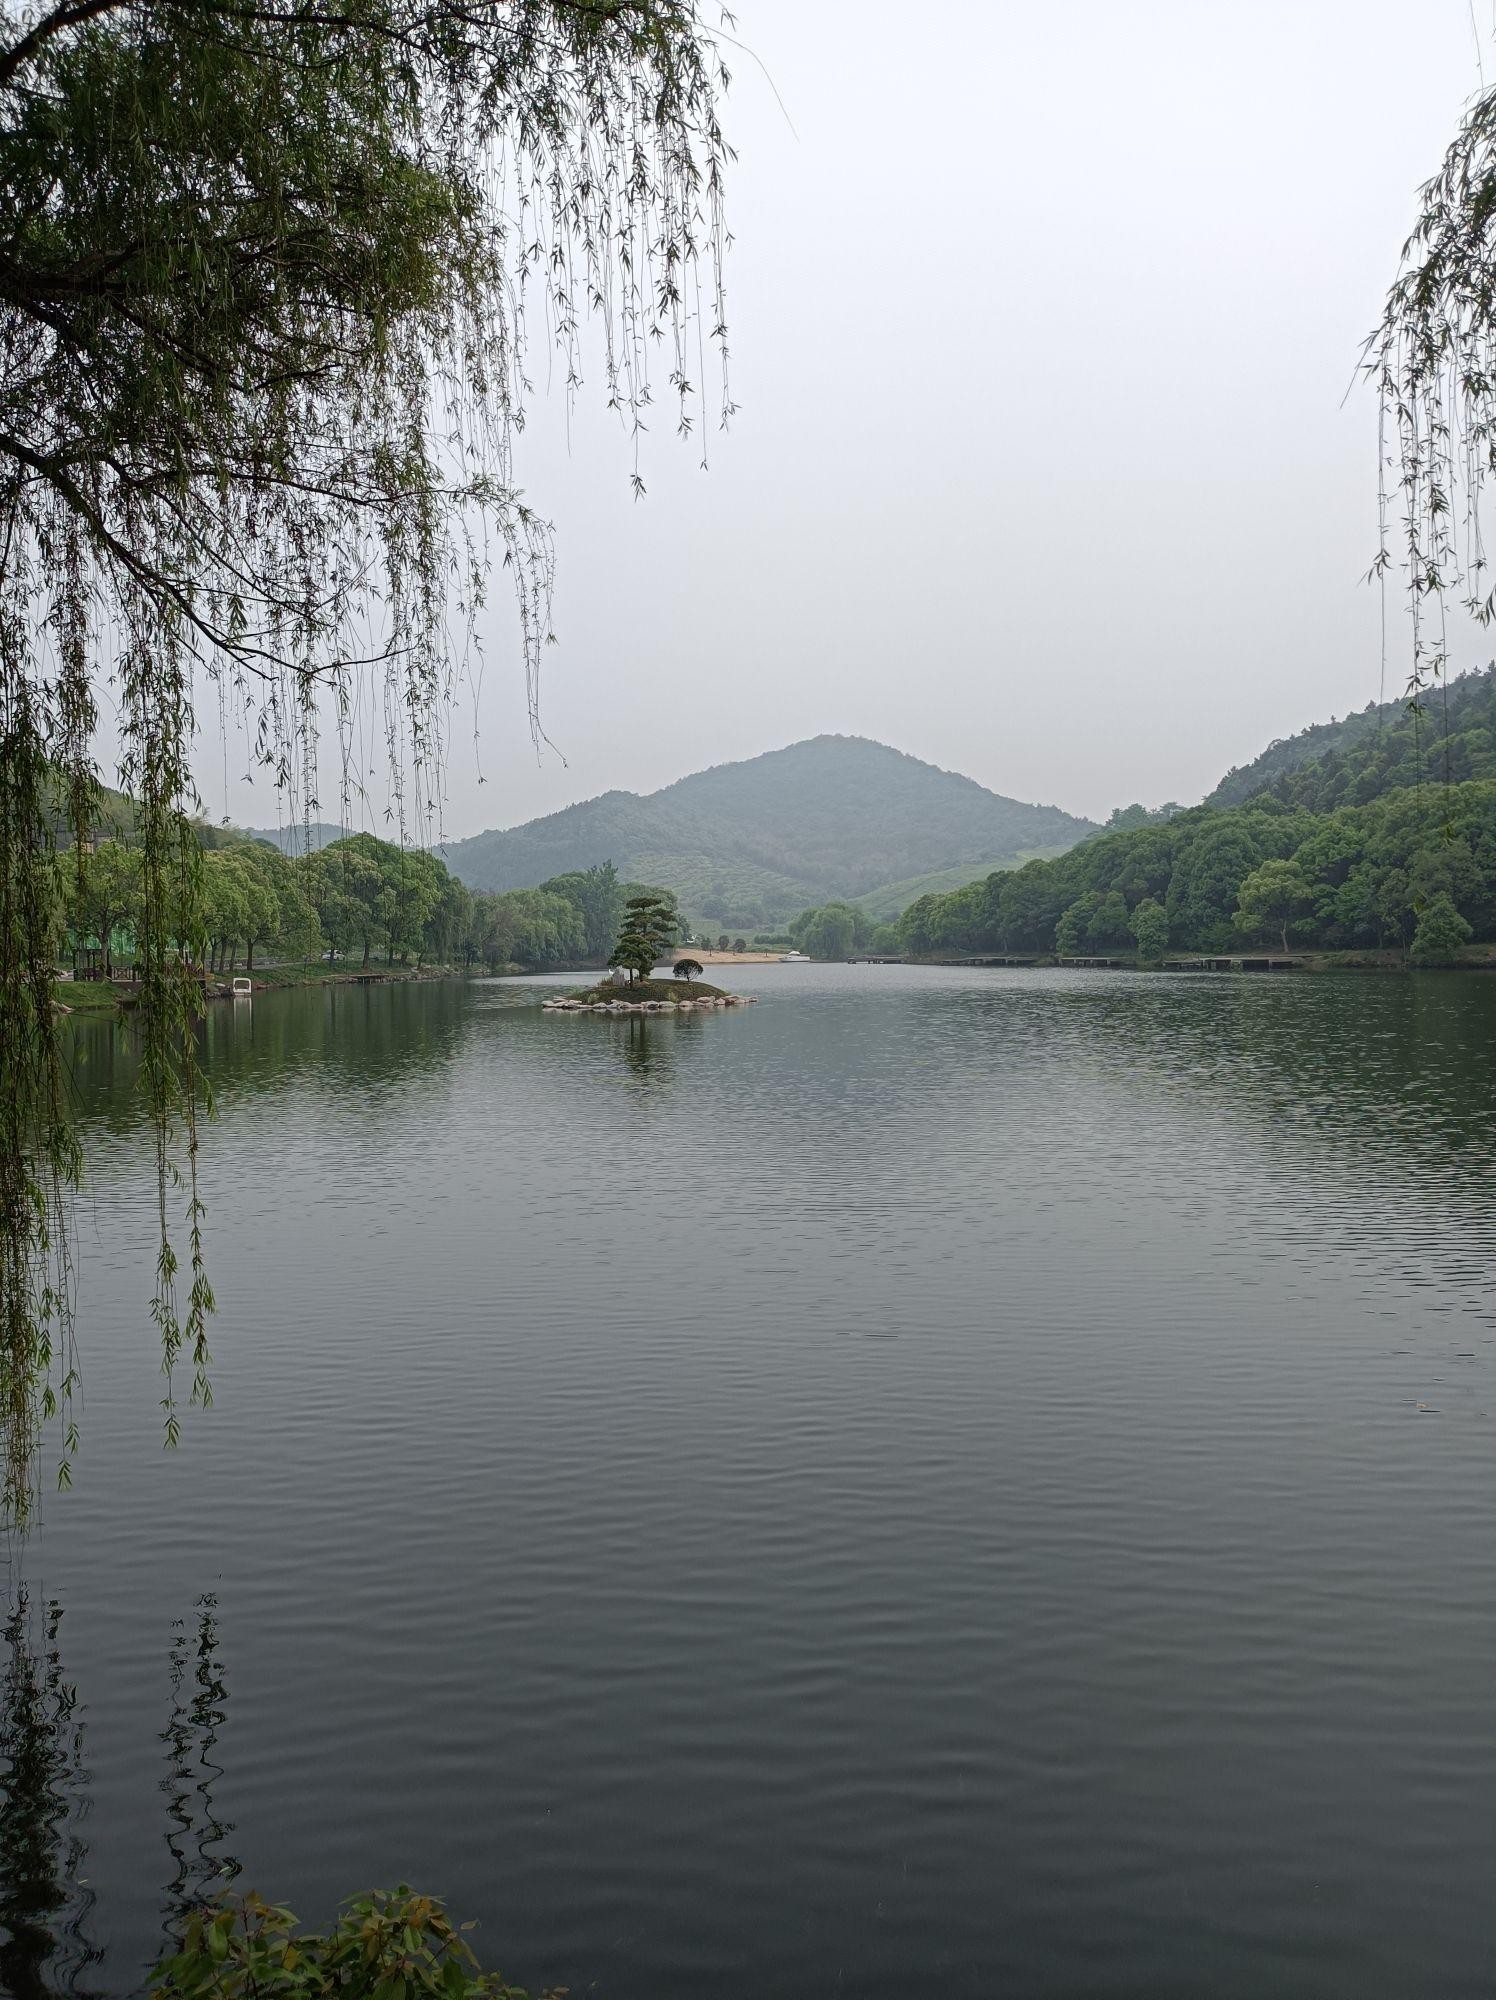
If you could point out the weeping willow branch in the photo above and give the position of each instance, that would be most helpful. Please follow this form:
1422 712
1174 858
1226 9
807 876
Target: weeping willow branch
1433 361
267 273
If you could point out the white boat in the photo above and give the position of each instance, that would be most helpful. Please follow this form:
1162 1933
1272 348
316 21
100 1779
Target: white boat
793 958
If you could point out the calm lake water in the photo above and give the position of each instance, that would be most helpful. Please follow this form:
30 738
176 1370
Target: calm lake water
955 1482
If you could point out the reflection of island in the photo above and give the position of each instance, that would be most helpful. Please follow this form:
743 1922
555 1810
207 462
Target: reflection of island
645 1055
45 1901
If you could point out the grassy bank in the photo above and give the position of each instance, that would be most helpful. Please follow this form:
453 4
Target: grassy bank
271 977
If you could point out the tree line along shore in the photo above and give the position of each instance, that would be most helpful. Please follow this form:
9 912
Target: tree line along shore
1406 878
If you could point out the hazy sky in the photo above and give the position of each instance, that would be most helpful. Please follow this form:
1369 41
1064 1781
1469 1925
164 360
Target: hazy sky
1042 317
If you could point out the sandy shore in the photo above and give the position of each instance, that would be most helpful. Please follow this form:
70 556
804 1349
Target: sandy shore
704 957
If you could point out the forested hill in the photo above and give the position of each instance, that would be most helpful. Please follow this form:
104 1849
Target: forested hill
1382 748
754 842
1415 867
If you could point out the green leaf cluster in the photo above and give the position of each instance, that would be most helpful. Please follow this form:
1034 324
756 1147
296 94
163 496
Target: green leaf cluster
391 1945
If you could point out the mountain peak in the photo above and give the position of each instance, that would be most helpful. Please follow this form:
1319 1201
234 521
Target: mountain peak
753 841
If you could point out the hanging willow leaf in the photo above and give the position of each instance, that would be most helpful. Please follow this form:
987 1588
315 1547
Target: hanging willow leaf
1433 362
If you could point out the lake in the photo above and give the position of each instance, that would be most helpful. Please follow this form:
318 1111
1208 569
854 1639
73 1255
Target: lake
946 1481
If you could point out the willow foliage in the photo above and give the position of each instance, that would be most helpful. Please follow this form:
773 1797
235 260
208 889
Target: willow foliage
267 277
1433 361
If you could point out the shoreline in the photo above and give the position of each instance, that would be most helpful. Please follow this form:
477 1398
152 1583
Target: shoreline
118 995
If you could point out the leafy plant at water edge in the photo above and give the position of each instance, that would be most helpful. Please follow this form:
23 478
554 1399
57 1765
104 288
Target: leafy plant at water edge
385 1946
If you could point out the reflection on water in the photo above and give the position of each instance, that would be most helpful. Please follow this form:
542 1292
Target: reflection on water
964 1479
195 1835
362 1037
46 1898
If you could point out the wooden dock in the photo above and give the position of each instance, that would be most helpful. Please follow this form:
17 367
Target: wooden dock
1251 962
993 958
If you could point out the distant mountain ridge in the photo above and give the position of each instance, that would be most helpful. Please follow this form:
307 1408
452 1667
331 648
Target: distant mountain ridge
755 841
297 838
1381 748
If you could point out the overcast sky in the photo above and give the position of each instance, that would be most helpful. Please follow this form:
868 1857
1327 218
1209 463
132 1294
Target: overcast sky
1042 317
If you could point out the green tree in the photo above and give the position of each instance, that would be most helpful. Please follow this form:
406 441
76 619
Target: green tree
1203 889
648 930
1072 926
915 933
829 934
688 969
280 914
341 883
1110 925
1393 907
1441 932
1150 928
493 926
1272 897
346 880
449 923
547 929
236 905
598 894
410 889
104 894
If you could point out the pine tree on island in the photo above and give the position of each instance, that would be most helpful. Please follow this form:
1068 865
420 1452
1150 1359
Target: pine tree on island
648 931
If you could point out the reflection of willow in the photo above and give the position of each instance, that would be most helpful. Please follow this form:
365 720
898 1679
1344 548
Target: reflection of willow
43 1795
45 1902
195 1833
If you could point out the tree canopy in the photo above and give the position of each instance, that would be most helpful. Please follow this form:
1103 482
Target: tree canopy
647 931
1356 879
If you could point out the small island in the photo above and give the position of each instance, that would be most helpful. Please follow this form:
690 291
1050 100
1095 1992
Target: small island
648 931
678 995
